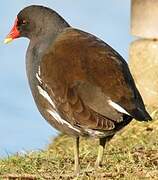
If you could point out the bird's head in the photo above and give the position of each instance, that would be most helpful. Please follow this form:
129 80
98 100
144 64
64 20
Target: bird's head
34 22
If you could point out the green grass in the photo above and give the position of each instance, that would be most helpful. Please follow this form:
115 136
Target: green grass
131 154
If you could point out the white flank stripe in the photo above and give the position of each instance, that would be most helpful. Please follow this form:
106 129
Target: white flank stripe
38 78
117 107
46 96
55 115
60 120
39 70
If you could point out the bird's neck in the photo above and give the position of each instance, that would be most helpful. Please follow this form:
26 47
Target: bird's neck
34 56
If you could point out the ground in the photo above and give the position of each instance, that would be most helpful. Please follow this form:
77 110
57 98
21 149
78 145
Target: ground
132 154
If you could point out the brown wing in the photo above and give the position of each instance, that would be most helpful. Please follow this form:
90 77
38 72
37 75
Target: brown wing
80 63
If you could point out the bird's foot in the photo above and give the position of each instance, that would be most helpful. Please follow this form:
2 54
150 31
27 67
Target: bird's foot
98 164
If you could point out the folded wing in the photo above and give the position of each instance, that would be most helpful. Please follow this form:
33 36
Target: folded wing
91 81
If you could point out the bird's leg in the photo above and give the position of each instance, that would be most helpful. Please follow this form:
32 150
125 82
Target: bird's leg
102 142
76 155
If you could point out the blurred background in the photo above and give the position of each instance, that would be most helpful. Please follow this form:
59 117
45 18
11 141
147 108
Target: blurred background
21 126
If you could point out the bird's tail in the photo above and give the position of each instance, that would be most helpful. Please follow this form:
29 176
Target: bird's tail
141 115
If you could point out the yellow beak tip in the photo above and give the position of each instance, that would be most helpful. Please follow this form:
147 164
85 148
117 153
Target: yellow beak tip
8 40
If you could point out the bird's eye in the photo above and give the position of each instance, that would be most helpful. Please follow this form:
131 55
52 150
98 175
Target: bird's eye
24 22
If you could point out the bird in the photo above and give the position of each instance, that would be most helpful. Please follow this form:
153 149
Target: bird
80 84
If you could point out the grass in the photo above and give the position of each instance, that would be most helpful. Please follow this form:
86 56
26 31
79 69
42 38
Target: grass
132 154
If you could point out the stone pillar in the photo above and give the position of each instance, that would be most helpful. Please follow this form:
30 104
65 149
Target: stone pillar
143 55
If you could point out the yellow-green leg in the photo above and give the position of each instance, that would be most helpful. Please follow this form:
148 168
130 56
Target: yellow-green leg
102 142
76 156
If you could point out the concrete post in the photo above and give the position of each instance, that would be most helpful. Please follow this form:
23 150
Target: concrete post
143 56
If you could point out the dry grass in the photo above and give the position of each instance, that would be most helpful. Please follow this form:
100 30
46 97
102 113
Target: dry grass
131 154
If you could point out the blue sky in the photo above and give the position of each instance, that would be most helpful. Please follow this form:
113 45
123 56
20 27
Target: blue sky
21 125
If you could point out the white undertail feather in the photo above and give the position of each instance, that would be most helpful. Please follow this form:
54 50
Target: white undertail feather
117 107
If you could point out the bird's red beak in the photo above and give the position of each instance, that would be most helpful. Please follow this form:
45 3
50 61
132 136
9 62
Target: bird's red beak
14 33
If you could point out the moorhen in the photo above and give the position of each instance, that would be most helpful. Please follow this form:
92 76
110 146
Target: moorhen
80 84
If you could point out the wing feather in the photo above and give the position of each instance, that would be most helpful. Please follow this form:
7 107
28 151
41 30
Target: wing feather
85 73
